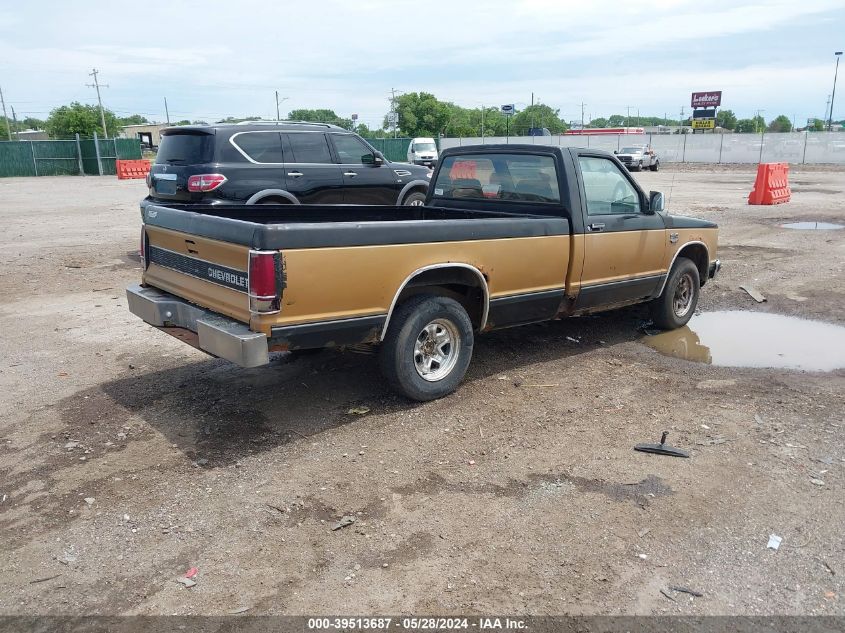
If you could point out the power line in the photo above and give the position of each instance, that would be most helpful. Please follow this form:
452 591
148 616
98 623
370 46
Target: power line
96 85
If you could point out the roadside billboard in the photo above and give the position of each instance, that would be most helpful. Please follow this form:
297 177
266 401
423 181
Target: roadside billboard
711 99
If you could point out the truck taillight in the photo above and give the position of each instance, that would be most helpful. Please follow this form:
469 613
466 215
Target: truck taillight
205 182
265 281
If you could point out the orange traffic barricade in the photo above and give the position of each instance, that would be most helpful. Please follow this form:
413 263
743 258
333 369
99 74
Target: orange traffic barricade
772 184
128 169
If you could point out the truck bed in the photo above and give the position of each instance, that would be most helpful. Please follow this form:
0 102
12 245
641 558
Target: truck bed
270 227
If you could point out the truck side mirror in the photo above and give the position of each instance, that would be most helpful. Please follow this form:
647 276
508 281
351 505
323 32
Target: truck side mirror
655 201
378 160
615 152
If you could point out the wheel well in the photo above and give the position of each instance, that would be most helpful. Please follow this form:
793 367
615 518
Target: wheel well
697 253
416 189
273 200
461 284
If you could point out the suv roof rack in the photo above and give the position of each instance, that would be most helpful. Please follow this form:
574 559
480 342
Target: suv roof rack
282 122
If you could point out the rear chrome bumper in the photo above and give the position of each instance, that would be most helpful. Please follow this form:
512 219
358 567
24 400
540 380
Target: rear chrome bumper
217 335
715 267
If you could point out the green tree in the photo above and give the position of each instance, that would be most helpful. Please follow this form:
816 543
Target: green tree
135 119
817 126
781 123
726 119
749 126
183 122
320 116
539 115
598 122
232 119
84 120
422 114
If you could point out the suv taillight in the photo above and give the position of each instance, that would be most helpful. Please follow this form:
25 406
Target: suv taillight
205 182
265 281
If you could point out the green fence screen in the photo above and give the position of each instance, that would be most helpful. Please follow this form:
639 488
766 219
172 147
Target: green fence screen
63 158
394 149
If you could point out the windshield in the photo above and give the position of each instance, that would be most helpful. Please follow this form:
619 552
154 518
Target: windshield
630 150
185 149
425 147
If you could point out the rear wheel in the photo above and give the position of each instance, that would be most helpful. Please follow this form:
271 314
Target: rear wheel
656 166
415 199
428 347
676 305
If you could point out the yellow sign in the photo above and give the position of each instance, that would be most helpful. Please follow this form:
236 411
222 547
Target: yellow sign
703 124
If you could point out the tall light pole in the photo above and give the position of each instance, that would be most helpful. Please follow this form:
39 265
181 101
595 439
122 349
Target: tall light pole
278 101
833 94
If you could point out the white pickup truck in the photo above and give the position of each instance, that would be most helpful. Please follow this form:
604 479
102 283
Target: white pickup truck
638 157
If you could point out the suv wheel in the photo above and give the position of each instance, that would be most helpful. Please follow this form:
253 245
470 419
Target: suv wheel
656 166
415 199
428 347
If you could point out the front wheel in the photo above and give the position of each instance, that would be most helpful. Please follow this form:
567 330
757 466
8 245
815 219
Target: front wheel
676 305
428 347
415 199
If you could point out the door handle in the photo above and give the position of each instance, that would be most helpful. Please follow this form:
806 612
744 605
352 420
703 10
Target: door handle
351 174
596 226
294 174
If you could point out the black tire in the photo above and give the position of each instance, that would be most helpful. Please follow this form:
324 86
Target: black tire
640 166
401 362
676 305
415 198
656 166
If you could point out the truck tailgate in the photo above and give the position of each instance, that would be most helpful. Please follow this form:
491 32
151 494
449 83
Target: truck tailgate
209 273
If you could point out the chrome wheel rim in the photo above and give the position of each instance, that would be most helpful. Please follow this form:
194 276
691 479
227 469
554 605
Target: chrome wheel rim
684 292
416 203
436 350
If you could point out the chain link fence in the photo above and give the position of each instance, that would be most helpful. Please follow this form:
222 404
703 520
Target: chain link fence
77 157
793 147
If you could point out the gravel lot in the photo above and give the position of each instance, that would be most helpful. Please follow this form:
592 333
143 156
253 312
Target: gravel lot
127 457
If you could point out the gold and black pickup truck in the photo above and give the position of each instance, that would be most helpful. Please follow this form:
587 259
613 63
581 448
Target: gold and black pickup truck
508 235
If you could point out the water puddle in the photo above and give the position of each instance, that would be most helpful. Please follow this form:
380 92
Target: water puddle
755 339
813 226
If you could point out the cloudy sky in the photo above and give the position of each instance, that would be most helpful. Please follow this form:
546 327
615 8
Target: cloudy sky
214 59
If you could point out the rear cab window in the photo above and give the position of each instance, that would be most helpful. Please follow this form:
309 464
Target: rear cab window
515 177
185 149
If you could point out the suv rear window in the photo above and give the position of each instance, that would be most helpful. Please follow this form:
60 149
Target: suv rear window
185 149
521 177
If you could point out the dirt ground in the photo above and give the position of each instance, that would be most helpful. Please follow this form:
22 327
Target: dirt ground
127 457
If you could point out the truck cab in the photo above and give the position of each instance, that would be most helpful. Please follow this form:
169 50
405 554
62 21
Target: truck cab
422 151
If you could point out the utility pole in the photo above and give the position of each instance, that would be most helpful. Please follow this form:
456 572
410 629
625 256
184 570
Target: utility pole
582 114
96 85
681 120
166 111
757 120
826 107
482 122
15 119
628 117
393 92
833 94
8 127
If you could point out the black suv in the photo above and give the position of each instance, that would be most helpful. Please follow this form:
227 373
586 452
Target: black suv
278 163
